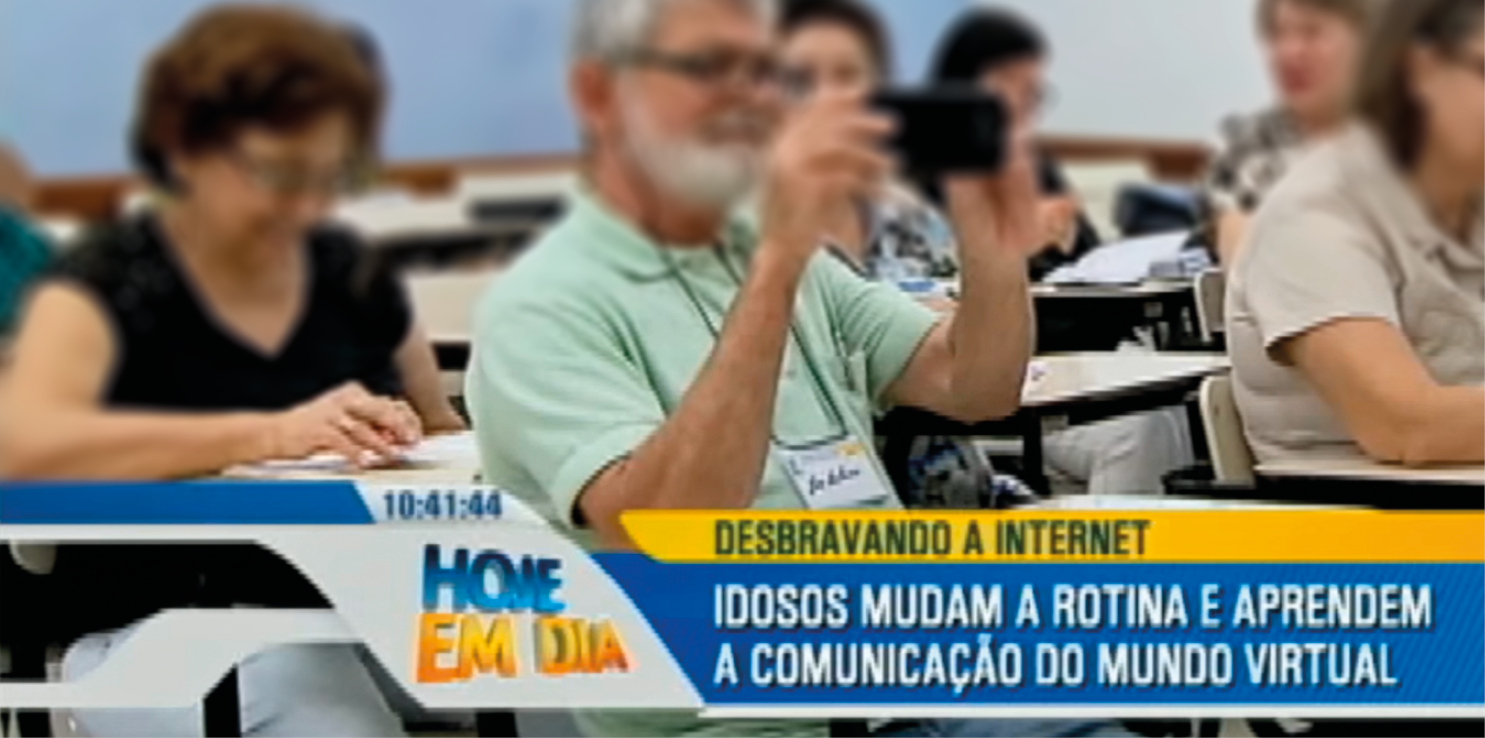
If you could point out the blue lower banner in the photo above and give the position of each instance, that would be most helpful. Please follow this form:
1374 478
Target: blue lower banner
473 601
1039 634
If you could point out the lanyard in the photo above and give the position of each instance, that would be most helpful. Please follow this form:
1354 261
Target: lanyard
864 266
817 378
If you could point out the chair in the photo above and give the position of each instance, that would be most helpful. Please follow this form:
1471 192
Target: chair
1097 184
1211 298
27 637
553 185
381 220
516 202
1151 209
1232 460
37 558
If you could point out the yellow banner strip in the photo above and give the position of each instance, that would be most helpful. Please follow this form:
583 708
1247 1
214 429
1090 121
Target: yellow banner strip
1123 536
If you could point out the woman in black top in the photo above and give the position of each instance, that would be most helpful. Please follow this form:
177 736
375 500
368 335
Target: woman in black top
228 327
1004 53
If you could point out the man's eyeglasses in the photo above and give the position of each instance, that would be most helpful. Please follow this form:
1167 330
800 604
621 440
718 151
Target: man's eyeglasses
739 70
291 180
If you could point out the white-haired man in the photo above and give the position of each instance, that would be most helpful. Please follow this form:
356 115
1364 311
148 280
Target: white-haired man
652 352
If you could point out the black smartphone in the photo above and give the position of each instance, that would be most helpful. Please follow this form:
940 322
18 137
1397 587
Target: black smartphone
945 131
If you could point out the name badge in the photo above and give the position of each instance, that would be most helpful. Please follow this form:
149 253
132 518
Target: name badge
834 475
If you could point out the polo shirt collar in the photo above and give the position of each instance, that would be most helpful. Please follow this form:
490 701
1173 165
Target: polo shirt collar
613 239
1398 203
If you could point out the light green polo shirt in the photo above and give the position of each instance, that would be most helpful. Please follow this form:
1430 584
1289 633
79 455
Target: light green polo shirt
590 341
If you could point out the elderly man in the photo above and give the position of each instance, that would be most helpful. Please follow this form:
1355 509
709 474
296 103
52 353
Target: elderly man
653 352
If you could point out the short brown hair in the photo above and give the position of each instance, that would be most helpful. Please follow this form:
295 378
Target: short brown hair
1385 100
1357 12
855 15
238 66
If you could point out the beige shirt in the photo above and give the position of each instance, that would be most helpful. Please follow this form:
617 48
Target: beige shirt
1344 236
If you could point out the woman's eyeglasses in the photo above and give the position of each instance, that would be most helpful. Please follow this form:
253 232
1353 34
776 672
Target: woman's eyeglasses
292 180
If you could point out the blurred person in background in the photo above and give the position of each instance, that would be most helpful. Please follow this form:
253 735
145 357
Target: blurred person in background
235 265
1313 48
842 47
1002 52
1356 310
227 326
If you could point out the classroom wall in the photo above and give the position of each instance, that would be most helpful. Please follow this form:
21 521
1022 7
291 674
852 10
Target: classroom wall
472 78
480 78
1149 68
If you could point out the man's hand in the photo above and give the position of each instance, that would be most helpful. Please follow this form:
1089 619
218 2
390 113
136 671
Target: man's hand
1002 211
828 152
972 368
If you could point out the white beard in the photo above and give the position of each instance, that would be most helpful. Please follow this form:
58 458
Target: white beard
691 172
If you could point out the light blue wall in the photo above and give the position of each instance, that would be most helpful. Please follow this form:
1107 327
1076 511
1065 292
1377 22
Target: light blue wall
1149 68
471 77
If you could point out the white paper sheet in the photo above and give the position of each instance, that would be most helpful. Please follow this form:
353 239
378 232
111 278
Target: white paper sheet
1124 262
457 450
